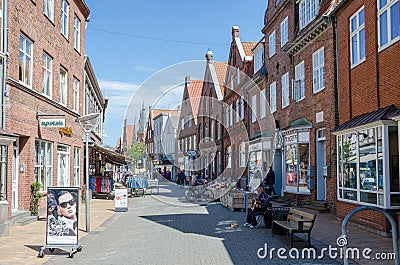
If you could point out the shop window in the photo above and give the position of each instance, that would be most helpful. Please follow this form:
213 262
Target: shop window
297 163
242 155
228 157
77 168
43 163
360 166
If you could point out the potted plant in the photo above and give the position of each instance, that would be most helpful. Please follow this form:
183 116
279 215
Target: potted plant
35 196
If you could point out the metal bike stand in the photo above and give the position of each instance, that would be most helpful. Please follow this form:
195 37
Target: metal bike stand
343 238
74 249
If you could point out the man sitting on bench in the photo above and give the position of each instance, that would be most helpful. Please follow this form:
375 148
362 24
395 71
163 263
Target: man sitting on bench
258 207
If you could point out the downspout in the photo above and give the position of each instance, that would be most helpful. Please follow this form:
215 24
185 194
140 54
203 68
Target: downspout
336 98
5 50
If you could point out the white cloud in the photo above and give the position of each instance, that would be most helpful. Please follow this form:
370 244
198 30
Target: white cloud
144 69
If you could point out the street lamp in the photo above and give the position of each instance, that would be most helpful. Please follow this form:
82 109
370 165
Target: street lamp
88 123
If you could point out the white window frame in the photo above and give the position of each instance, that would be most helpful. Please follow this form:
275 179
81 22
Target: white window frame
47 82
272 97
44 163
272 44
227 116
308 10
229 157
254 108
358 33
263 103
285 90
284 32
242 154
299 84
258 57
48 9
64 18
77 33
75 103
77 167
318 61
25 60
63 86
237 110
241 108
230 114
382 10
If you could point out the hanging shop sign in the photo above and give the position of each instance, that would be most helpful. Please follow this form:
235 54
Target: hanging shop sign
52 123
65 131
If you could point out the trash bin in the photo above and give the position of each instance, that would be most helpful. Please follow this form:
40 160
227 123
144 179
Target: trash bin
268 218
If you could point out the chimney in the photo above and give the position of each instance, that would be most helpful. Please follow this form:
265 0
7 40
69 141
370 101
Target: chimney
188 82
209 56
235 32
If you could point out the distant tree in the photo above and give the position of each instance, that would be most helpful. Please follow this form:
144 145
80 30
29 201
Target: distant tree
136 151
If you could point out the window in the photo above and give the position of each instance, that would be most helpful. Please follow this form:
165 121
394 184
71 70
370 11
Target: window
237 110
297 161
47 74
77 168
182 123
228 157
238 75
263 104
272 97
227 116
357 37
218 128
63 166
308 9
190 118
299 87
25 60
242 155
272 43
212 129
230 114
64 18
388 22
77 34
241 108
43 163
318 70
63 86
254 108
258 57
48 9
284 32
75 103
360 167
285 90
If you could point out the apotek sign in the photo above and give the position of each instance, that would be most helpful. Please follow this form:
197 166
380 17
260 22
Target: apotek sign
52 123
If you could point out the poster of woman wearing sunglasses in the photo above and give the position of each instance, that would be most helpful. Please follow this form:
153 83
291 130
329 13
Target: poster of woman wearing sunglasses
62 216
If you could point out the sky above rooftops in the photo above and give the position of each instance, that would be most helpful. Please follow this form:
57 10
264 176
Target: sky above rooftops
140 50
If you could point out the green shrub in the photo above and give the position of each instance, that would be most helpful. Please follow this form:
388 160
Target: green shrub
35 196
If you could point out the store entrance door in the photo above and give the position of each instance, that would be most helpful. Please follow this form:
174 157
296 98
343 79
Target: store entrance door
63 179
14 184
321 161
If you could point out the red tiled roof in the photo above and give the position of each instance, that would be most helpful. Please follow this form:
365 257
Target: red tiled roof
194 91
248 47
221 69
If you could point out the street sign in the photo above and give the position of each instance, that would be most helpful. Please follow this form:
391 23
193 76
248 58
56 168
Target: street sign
52 123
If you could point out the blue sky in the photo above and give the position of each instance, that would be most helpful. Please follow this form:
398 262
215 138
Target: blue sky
130 42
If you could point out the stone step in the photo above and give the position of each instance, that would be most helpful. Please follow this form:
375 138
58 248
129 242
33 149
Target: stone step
20 215
316 208
25 221
319 203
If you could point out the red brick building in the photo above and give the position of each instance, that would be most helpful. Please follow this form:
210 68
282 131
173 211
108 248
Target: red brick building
210 120
238 76
367 139
301 92
188 134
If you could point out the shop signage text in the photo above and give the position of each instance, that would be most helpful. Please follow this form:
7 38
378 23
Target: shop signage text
52 123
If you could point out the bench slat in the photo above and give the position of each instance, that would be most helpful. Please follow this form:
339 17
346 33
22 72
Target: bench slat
304 214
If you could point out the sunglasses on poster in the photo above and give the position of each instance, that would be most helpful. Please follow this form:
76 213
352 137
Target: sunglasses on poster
70 202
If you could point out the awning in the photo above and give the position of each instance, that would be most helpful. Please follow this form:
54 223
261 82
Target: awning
112 157
377 115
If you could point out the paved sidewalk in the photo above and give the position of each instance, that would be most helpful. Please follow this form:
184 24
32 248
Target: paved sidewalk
24 242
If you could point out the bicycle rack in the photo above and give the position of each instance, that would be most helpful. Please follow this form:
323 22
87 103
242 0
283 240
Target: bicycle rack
373 208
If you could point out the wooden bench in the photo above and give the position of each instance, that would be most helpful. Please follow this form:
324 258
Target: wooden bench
298 222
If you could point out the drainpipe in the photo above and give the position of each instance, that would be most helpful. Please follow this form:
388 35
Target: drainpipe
5 50
336 92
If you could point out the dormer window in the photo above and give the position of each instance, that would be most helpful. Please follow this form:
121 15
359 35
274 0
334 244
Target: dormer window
308 9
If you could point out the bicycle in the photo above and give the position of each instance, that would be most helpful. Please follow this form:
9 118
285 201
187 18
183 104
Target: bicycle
196 193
